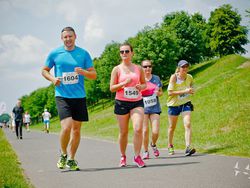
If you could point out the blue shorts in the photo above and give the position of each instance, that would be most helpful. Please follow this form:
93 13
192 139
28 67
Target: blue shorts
46 121
176 110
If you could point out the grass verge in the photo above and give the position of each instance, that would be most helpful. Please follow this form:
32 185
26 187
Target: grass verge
11 174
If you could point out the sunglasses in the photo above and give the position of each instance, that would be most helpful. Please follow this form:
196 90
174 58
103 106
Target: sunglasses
147 66
185 66
124 51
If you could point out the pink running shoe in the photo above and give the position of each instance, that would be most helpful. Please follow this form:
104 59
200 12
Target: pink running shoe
123 162
156 151
139 162
145 155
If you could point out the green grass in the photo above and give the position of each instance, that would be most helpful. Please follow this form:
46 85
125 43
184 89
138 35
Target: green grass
11 174
220 122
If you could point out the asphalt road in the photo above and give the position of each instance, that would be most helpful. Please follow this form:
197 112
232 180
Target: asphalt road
98 160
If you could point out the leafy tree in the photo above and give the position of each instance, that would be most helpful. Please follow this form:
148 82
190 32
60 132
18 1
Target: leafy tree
191 40
226 34
50 102
200 22
35 102
157 44
248 15
104 65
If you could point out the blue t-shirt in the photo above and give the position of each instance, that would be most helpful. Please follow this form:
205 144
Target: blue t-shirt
64 63
149 91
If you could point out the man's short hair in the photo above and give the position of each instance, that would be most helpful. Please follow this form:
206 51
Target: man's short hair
68 29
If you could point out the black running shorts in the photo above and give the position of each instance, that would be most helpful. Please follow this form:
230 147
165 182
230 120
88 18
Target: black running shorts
75 108
124 107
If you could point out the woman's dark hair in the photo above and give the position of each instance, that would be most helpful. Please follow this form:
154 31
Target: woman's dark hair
127 44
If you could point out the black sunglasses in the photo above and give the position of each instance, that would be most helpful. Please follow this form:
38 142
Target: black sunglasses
147 66
185 66
126 51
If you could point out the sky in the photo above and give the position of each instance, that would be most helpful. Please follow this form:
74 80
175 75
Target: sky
30 29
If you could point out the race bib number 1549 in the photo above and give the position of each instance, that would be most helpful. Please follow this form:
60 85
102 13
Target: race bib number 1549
131 92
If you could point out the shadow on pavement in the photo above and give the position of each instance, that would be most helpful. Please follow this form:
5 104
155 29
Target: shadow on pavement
180 156
129 167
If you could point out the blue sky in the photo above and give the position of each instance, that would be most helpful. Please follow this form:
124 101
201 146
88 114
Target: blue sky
30 29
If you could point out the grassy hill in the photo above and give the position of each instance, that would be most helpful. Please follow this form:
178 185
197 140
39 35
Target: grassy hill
221 121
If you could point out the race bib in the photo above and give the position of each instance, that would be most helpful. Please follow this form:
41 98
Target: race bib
131 93
70 78
183 96
150 101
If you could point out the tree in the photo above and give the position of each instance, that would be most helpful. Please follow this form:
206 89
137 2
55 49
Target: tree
190 32
104 65
226 34
157 44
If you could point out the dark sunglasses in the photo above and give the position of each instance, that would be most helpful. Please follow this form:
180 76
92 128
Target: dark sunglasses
126 51
147 66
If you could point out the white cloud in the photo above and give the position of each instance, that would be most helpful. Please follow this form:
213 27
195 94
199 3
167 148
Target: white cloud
38 8
21 60
24 51
69 11
93 29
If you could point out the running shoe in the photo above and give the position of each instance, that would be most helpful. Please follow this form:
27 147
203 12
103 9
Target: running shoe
189 151
62 161
156 151
139 162
72 165
145 155
171 150
123 162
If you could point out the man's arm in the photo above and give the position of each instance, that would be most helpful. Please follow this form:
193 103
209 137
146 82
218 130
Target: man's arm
89 73
46 74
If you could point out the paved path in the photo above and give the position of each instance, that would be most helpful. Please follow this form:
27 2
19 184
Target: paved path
98 160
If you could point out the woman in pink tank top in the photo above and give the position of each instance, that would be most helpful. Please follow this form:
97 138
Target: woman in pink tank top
127 80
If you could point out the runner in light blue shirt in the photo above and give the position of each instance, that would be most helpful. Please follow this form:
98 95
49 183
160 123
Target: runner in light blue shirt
71 65
64 62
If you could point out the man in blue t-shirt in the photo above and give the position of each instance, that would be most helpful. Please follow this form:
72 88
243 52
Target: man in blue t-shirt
71 65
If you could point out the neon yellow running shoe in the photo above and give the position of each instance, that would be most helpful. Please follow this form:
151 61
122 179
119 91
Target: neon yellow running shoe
72 165
171 150
62 161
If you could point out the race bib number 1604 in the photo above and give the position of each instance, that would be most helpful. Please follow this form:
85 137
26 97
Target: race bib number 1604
70 78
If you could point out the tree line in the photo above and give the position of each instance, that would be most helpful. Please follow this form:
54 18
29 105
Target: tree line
179 36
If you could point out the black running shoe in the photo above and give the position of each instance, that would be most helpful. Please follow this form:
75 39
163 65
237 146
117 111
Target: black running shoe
189 151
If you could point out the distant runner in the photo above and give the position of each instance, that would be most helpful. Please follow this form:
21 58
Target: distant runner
26 120
46 120
18 115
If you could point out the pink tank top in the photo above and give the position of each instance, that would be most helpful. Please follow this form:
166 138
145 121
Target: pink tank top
150 89
129 92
